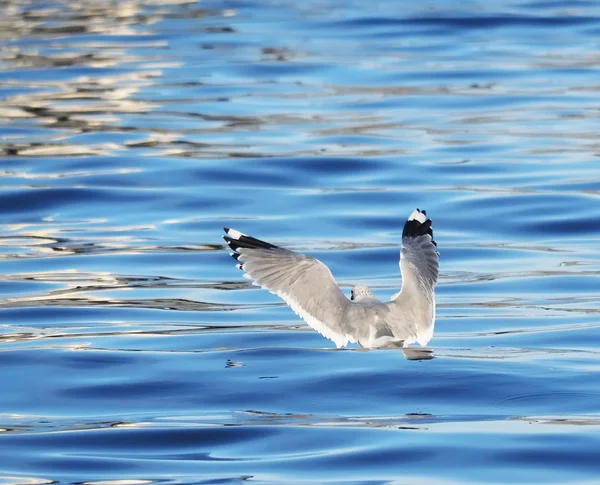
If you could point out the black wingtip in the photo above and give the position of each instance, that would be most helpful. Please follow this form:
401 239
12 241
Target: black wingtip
243 241
415 228
232 243
226 229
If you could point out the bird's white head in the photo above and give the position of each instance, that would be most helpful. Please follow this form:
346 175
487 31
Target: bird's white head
360 292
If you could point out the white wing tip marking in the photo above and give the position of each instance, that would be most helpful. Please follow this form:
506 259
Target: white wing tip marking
418 215
234 234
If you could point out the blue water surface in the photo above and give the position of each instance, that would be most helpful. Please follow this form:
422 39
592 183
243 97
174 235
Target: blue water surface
131 349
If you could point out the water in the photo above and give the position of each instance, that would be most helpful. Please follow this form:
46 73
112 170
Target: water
133 352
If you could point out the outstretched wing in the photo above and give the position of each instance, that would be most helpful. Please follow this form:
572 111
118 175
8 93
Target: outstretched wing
303 282
419 264
419 259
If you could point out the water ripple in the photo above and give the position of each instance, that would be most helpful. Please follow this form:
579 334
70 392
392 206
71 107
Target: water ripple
132 352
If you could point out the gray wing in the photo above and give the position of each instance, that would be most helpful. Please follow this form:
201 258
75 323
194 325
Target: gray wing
419 259
419 264
305 284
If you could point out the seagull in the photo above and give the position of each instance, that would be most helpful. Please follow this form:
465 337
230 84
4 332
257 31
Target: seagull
309 288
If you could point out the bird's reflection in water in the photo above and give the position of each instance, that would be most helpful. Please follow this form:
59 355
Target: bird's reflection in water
411 353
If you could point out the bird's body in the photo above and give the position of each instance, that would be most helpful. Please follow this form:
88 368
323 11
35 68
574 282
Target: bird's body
309 288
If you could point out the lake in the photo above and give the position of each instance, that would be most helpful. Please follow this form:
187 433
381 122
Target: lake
133 352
